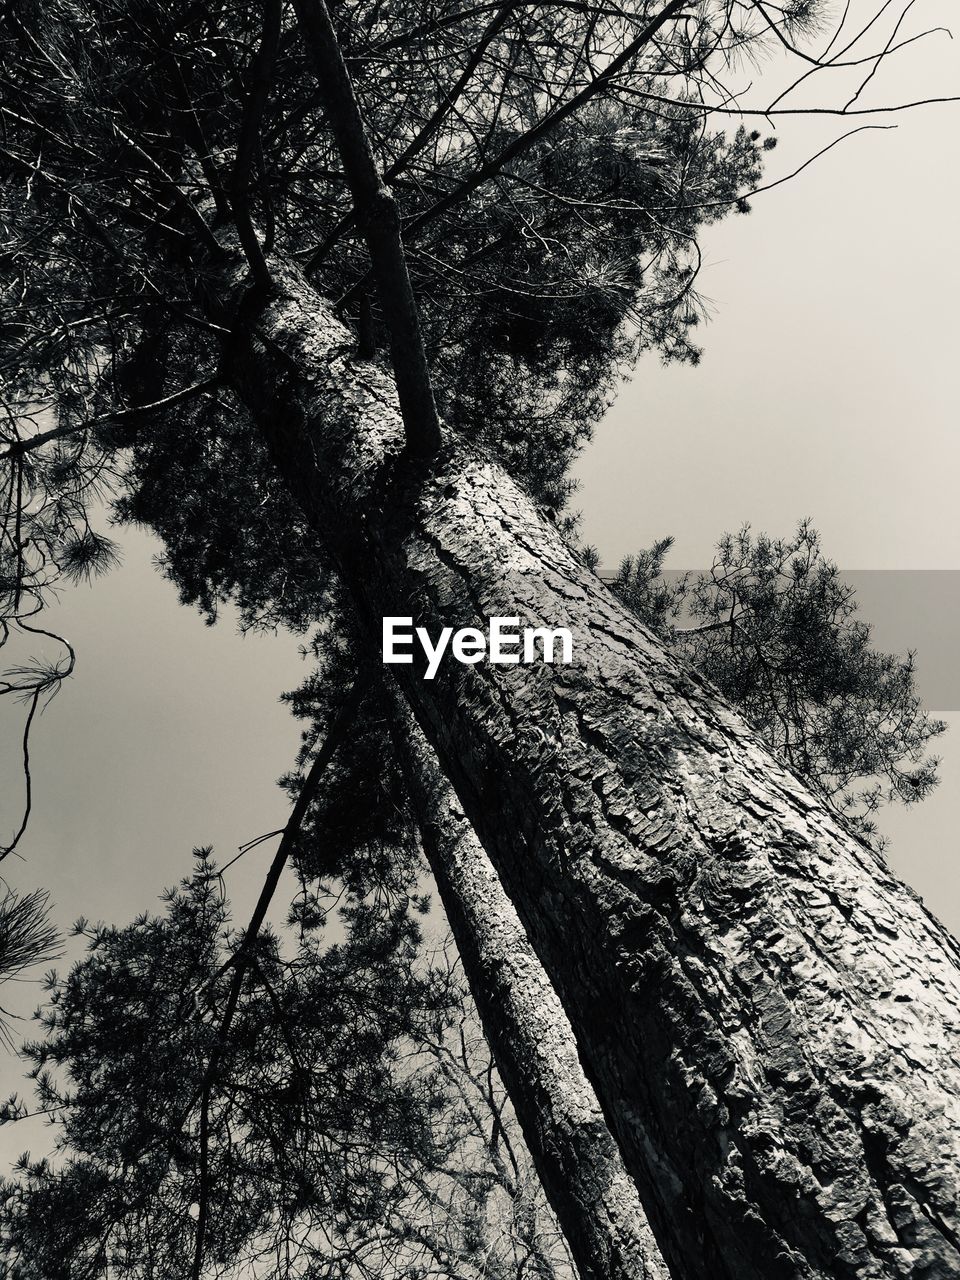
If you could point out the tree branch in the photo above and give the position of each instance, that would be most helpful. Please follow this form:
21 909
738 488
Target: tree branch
19 447
240 960
547 124
377 212
239 195
424 134
550 121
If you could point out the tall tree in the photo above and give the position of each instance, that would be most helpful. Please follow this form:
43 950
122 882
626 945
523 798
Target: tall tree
727 954
719 942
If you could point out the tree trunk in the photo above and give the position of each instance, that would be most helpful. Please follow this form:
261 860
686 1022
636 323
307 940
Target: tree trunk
769 1018
578 1162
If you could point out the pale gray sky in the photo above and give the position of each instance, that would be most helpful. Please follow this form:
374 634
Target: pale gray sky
827 389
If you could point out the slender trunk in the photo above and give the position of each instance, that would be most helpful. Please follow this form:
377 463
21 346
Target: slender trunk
374 205
578 1162
769 1018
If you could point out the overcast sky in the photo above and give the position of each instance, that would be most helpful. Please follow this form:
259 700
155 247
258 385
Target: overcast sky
828 389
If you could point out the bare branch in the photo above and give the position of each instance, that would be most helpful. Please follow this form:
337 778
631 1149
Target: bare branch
240 961
32 443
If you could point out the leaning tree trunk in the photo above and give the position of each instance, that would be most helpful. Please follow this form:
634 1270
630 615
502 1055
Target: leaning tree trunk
579 1165
769 1018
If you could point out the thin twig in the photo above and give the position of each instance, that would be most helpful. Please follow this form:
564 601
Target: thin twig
19 447
240 960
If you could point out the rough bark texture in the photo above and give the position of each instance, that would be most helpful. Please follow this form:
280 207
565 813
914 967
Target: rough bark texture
593 1196
769 1018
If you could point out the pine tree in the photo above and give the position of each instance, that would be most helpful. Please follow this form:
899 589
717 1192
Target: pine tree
200 191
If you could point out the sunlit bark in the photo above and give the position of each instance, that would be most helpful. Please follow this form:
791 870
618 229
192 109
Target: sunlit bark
592 1194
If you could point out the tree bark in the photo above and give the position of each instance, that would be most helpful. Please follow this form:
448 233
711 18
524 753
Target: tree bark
769 1018
579 1165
